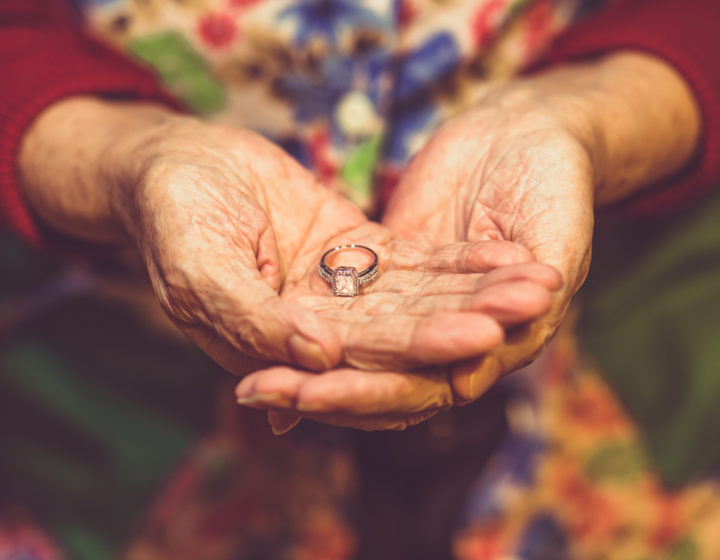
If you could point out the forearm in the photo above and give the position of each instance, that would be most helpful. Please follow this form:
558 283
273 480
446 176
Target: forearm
634 114
73 157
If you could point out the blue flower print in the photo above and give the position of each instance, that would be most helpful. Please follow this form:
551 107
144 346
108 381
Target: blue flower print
314 95
326 18
414 109
424 67
544 539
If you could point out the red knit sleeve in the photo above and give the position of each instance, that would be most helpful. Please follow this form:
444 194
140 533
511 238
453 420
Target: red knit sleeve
687 35
45 56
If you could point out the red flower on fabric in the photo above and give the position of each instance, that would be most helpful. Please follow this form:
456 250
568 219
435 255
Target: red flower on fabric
27 541
243 3
590 512
406 13
321 158
595 410
668 524
217 30
539 26
486 20
488 541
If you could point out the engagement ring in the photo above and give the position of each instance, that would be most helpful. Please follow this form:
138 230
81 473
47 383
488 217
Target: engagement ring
346 280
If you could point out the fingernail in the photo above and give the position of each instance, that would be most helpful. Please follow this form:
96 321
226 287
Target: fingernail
261 400
281 422
307 354
483 377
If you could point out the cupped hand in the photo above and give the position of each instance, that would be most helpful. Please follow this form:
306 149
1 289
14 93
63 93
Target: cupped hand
390 398
508 171
231 230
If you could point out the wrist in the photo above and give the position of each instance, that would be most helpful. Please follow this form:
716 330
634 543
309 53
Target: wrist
72 161
633 113
135 153
550 118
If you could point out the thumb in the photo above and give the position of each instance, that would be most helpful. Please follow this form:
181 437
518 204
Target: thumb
471 378
236 315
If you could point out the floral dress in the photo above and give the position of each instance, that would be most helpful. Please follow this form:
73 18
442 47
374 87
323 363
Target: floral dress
352 89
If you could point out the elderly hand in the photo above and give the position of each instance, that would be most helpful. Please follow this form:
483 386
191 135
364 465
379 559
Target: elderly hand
499 173
231 230
510 170
524 165
390 398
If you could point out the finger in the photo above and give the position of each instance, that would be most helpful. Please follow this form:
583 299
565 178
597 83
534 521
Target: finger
232 291
347 391
404 341
509 303
246 313
461 257
275 387
544 274
471 378
387 341
422 283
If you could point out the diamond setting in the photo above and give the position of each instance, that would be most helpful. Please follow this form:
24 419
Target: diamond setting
345 281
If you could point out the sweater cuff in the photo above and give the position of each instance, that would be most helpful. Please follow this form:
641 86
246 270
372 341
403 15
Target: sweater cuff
682 35
43 76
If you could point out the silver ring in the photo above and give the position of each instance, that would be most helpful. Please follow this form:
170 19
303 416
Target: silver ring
346 280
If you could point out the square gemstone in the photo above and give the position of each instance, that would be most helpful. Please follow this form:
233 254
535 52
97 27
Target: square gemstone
345 281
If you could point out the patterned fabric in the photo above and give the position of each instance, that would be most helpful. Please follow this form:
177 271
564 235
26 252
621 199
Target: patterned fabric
352 89
242 493
572 479
23 540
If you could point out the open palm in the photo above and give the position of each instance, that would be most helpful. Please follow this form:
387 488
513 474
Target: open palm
471 190
232 233
507 174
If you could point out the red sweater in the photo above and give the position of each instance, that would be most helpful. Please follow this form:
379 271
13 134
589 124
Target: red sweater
45 55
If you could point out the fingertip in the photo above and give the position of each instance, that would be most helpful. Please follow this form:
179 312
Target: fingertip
315 341
469 379
308 354
244 389
489 332
269 385
546 275
497 333
513 302
555 279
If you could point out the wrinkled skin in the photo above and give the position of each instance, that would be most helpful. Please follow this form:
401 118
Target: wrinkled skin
504 172
516 175
232 233
231 230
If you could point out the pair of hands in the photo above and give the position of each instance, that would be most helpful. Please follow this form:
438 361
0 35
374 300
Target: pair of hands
481 248
492 216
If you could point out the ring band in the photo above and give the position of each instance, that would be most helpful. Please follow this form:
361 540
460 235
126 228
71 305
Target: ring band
346 280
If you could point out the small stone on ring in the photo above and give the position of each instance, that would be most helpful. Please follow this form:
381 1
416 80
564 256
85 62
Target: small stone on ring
346 280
